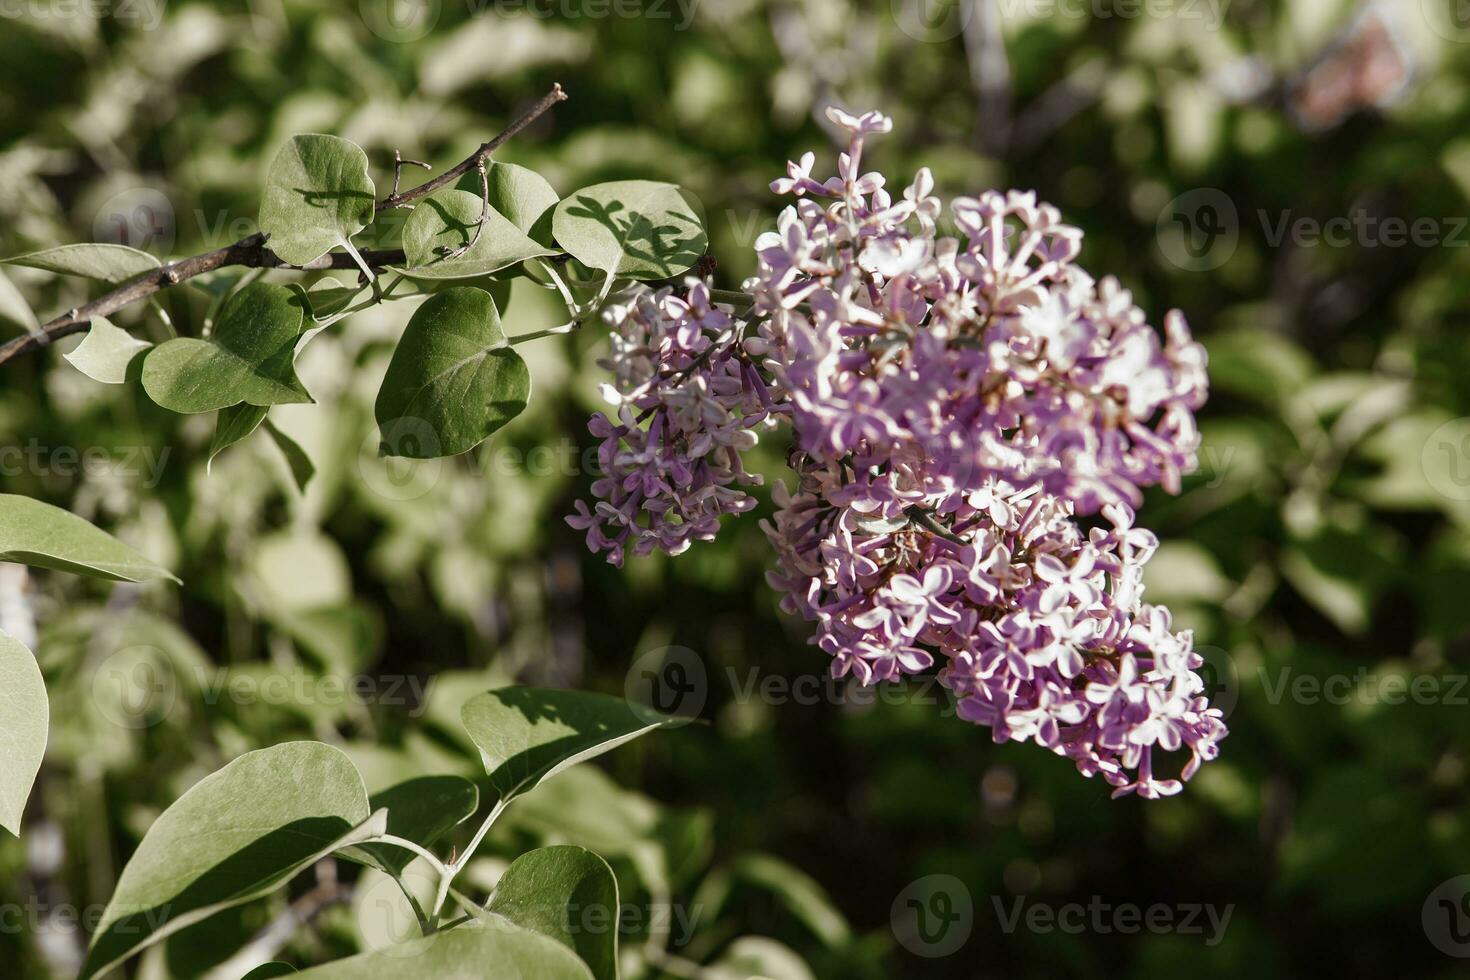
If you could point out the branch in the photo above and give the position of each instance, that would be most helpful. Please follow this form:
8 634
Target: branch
479 157
252 253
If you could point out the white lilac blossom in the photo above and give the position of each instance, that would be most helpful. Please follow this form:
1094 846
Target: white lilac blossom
974 418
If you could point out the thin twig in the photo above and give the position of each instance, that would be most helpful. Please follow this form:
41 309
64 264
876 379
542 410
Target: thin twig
478 157
453 253
252 253
398 163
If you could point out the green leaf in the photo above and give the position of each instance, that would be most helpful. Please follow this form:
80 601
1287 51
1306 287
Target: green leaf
522 195
269 971
634 229
233 425
452 381
35 533
525 197
24 716
422 810
92 260
570 894
317 196
105 353
485 949
302 469
236 835
248 358
447 219
527 734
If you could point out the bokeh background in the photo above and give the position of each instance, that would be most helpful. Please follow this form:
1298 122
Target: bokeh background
1294 175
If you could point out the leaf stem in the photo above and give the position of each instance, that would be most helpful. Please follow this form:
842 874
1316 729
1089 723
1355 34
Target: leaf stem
408 845
455 866
565 328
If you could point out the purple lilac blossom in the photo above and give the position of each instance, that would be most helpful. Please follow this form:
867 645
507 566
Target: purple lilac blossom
957 404
685 405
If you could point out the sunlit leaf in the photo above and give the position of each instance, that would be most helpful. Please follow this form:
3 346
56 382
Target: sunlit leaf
318 195
635 229
91 260
24 716
36 533
447 220
235 835
528 734
106 352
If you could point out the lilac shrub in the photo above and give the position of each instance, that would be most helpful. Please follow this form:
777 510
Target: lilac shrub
973 418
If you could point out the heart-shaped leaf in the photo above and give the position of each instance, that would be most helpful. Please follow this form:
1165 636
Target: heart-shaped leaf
446 220
317 196
484 949
247 359
92 260
633 229
235 835
528 734
105 353
422 810
570 894
35 533
452 381
24 715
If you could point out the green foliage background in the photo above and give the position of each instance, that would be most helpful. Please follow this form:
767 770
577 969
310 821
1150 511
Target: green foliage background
1325 536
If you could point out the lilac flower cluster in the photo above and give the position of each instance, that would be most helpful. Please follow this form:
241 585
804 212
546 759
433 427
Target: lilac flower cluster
685 405
974 418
